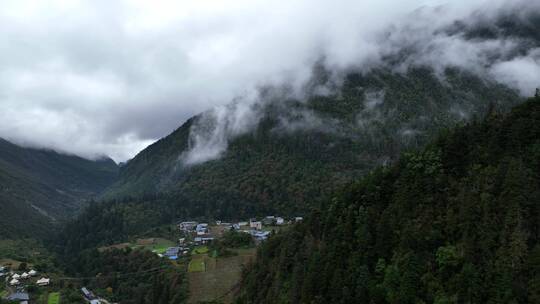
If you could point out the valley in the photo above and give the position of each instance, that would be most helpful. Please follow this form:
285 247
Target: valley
266 152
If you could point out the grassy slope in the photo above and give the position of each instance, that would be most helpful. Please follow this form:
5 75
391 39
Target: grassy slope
54 298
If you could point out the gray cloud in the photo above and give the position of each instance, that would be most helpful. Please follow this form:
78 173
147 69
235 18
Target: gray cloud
102 77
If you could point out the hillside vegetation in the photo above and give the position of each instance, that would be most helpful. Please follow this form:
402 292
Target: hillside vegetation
302 151
457 222
41 187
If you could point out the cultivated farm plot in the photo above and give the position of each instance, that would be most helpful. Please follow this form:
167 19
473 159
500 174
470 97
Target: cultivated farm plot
220 278
54 298
200 250
197 265
158 245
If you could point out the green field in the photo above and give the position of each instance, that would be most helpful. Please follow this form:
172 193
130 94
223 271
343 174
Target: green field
160 246
54 298
197 265
200 250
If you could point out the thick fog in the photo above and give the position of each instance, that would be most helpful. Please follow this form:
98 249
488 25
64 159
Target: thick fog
110 77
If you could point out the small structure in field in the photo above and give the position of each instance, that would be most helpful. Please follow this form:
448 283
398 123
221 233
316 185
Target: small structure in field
43 282
88 294
203 240
202 229
172 253
18 297
260 235
187 226
256 225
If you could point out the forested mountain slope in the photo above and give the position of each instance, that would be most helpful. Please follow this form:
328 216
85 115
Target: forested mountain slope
458 222
39 187
301 151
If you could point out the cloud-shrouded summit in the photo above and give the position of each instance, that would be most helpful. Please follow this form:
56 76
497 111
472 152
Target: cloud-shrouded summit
102 77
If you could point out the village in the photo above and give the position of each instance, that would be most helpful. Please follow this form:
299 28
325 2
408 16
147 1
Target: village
194 234
191 245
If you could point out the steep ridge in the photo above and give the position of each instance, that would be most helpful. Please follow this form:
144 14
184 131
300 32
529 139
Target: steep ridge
39 187
455 223
301 151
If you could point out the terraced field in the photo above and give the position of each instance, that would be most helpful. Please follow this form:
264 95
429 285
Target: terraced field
220 278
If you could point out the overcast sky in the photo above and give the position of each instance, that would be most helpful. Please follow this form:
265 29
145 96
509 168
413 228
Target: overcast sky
110 77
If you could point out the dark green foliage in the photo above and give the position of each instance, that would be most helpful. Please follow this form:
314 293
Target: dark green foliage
231 239
41 187
110 222
235 239
133 276
455 223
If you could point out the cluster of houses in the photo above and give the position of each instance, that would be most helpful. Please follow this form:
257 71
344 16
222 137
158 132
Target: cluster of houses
20 295
196 233
201 233
16 280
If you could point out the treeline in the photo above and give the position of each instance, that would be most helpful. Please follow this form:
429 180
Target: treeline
455 223
130 277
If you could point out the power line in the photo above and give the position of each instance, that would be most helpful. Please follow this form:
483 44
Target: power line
116 275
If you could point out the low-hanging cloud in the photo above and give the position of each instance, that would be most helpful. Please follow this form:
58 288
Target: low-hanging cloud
210 133
102 77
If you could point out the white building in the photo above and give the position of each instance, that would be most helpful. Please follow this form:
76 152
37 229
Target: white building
14 282
280 221
43 282
256 225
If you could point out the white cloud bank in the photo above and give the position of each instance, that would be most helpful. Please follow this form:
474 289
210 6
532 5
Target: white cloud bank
110 77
